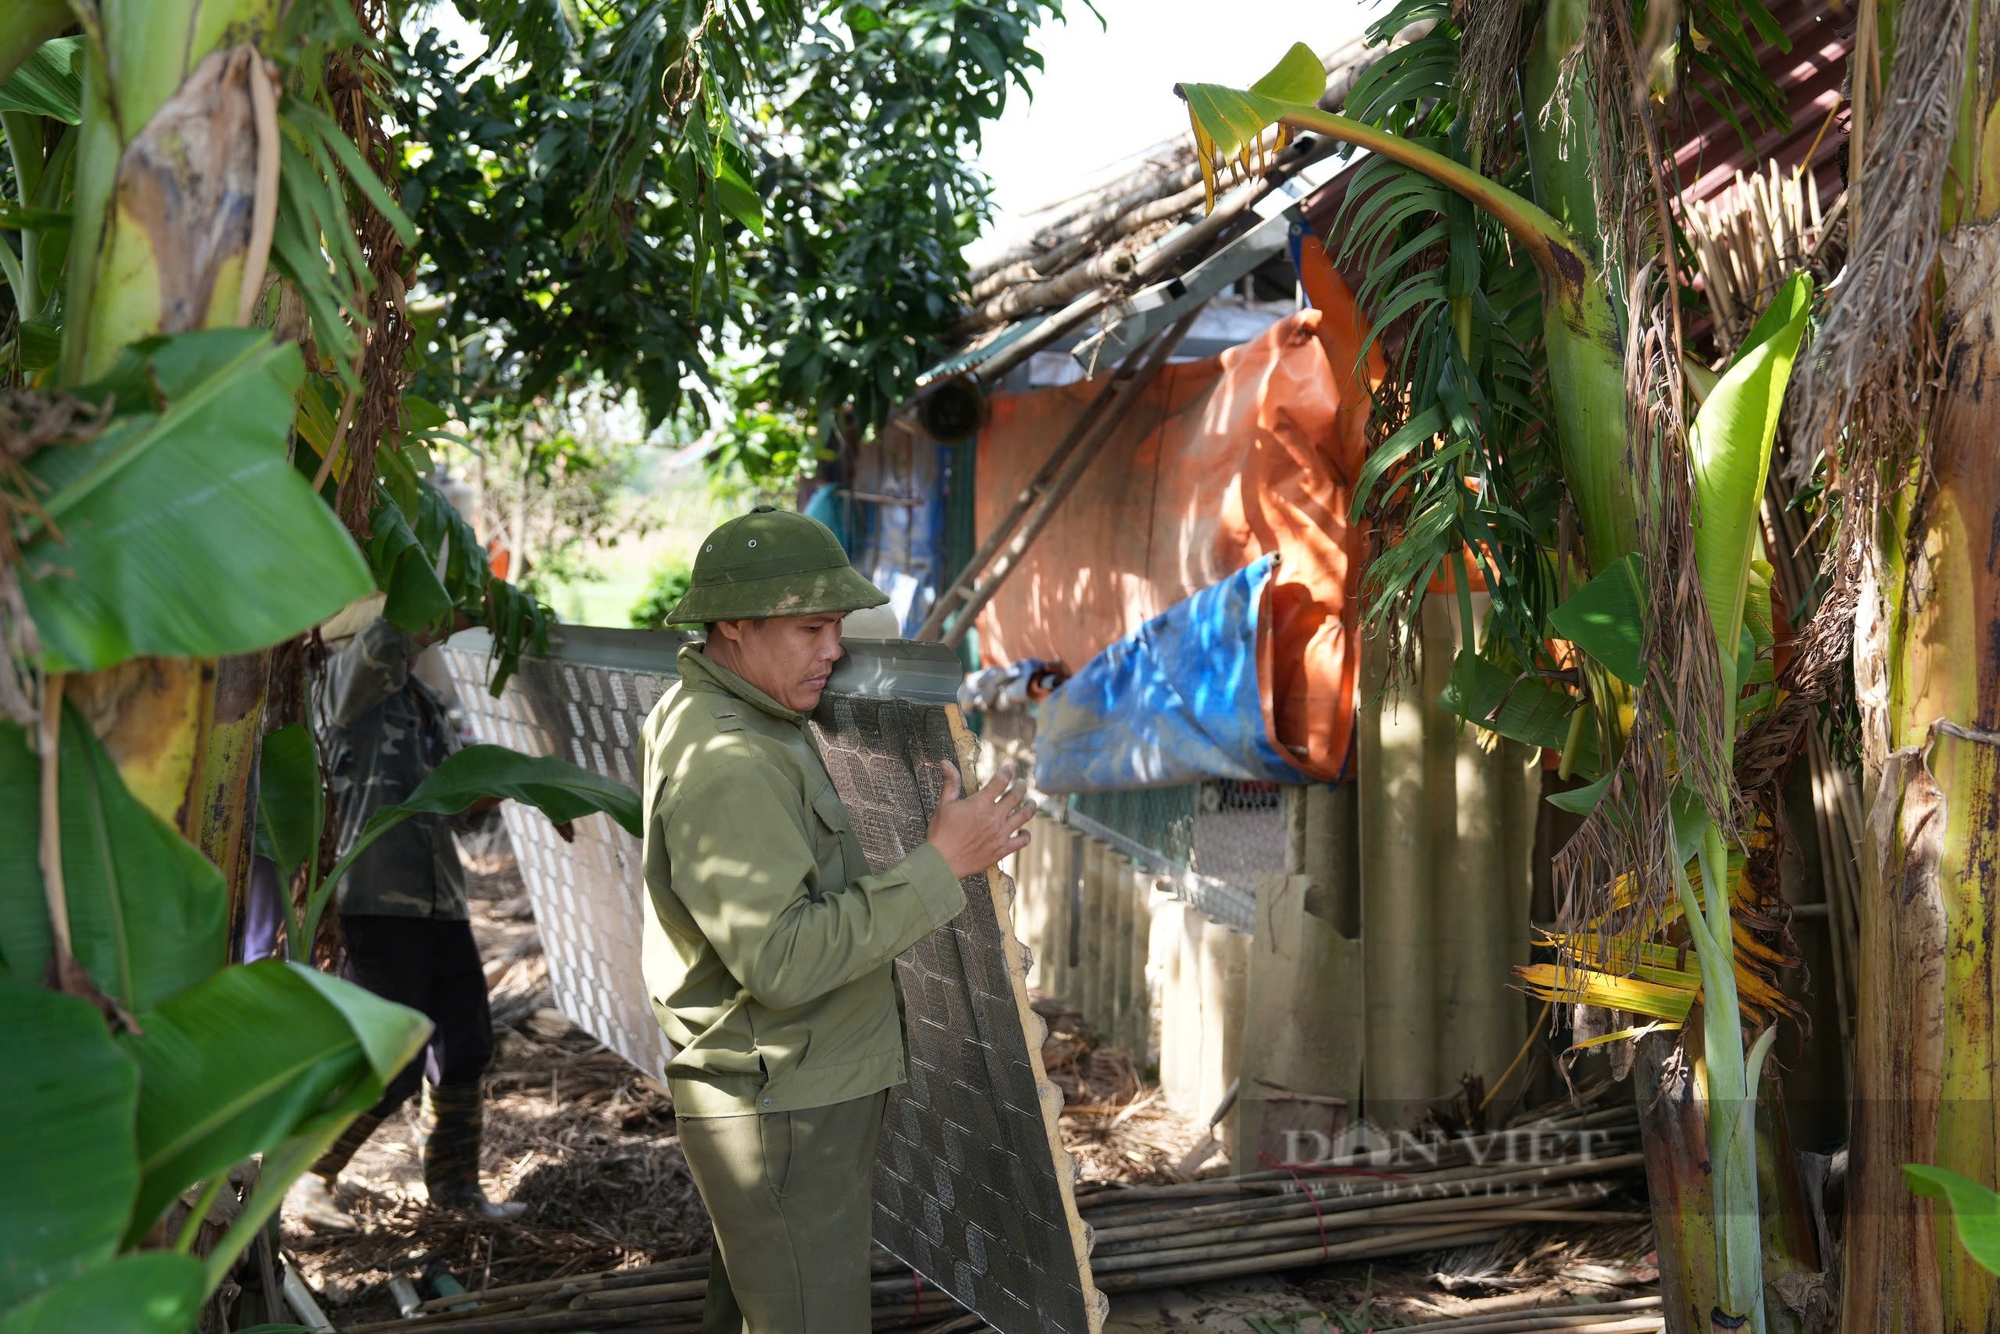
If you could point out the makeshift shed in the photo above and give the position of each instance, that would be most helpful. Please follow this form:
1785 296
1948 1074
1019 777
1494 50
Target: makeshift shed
1258 867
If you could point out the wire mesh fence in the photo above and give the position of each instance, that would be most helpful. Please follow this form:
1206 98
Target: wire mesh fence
1224 829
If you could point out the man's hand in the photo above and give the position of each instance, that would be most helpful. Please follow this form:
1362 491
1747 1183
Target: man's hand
978 831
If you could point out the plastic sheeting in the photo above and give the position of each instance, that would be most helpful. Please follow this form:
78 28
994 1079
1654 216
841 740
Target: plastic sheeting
1221 462
1175 702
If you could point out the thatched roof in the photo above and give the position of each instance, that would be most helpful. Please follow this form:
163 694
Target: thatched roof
1143 227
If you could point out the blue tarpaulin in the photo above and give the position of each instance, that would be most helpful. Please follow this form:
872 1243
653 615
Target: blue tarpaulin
1175 701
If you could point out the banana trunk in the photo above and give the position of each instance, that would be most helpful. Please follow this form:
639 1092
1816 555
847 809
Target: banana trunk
167 187
1927 675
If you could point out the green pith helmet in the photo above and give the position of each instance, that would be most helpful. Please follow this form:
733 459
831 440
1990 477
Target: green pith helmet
772 562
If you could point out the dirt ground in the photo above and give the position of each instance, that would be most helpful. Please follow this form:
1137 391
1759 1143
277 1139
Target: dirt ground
589 1145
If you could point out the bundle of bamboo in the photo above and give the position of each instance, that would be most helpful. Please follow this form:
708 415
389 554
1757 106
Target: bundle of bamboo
1418 1196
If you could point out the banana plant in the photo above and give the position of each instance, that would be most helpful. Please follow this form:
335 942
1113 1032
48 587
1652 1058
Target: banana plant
1581 330
201 1066
292 811
1730 446
1730 455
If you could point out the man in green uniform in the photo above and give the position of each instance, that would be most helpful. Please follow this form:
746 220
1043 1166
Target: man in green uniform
769 946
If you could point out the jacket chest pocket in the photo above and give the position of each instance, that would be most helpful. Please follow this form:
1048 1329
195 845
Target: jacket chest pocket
832 839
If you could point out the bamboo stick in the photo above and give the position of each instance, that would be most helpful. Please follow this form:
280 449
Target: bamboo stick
562 1322
612 1278
1483 1322
1199 1246
657 1292
1328 1190
1298 1215
1570 1324
1036 488
453 1318
1419 1239
1583 1321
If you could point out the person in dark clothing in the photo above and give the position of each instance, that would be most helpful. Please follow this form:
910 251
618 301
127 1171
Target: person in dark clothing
403 913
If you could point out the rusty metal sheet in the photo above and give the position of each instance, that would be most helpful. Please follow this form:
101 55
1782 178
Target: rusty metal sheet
973 1188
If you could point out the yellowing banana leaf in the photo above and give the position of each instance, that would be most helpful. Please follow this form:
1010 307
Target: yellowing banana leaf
146 909
1626 1035
1581 986
1230 123
210 543
1606 619
68 1164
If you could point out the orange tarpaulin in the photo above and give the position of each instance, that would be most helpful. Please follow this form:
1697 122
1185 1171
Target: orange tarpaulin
1218 463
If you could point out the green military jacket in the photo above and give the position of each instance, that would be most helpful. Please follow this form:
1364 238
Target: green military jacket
382 733
769 949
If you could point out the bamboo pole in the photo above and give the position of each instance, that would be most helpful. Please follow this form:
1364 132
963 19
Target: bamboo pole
1204 1247
1128 393
1179 1056
1164 1237
1037 487
1531 1308
1096 924
617 1278
1331 1192
643 1296
1418 1239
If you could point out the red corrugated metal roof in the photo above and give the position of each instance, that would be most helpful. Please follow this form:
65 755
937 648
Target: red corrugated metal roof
1811 76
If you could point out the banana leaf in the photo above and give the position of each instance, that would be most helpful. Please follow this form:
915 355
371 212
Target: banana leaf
560 790
289 802
146 909
69 1164
417 599
49 82
1520 708
238 1064
1975 1209
1729 448
209 543
1606 619
157 1292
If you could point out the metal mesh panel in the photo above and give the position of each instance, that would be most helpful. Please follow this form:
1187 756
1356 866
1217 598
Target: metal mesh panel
1215 839
964 1190
587 893
972 1182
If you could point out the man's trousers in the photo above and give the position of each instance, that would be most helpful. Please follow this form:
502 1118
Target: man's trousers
791 1195
431 966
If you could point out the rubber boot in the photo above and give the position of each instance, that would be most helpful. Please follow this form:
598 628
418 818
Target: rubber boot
312 1196
454 1116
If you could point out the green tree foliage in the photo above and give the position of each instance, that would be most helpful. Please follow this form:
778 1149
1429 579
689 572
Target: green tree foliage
664 591
552 478
821 219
